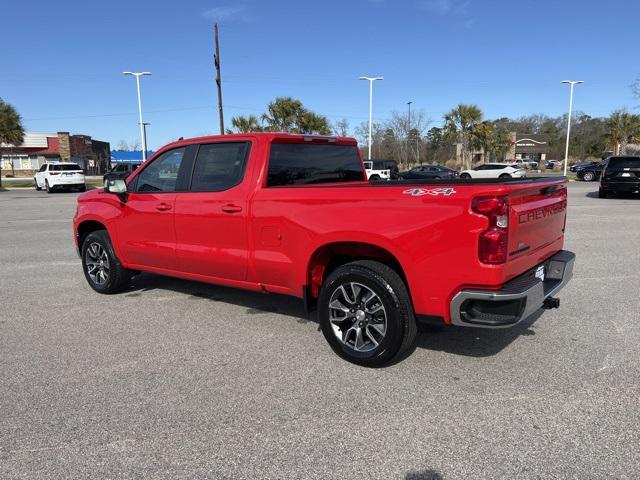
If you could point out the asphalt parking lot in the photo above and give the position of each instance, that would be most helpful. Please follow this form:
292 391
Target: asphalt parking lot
175 379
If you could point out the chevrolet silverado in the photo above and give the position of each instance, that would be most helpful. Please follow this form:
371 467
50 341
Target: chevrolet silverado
295 214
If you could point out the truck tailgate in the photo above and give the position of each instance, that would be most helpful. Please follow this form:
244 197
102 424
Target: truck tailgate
536 219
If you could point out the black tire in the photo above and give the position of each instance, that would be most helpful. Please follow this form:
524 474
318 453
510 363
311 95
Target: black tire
602 193
588 176
374 178
401 329
82 188
117 277
505 175
47 187
36 184
465 175
436 178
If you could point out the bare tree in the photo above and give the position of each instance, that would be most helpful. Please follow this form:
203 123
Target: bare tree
341 128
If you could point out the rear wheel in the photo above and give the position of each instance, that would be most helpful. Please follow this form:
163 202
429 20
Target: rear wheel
465 175
588 176
505 175
35 181
47 186
436 178
602 193
374 177
366 314
83 188
102 269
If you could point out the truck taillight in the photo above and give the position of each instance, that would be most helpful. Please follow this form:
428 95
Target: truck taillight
493 242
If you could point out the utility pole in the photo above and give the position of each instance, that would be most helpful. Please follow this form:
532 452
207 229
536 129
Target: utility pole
409 131
216 61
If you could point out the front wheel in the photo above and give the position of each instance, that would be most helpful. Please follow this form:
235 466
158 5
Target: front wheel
505 175
602 193
374 178
588 176
35 181
366 314
102 269
465 176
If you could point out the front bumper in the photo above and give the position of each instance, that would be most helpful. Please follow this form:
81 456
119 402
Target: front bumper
517 300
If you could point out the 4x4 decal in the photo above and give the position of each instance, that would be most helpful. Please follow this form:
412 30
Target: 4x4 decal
418 192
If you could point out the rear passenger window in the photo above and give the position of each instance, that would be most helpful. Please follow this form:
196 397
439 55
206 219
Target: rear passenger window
219 166
304 164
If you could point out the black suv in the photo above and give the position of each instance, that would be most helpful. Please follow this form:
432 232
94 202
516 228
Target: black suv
620 175
122 170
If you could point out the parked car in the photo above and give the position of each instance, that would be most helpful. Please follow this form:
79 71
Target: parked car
494 170
620 175
589 171
60 176
526 163
295 215
434 172
551 164
376 170
122 170
575 167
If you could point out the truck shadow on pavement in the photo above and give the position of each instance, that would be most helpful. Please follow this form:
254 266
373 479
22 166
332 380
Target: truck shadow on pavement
474 342
471 342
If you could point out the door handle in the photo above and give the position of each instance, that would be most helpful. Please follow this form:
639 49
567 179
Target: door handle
163 207
230 208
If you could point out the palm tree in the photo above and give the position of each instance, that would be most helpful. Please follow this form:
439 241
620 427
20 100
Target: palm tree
460 124
623 128
282 114
11 130
310 122
246 124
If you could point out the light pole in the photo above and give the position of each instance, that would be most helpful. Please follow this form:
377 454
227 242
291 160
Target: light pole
409 130
371 80
144 125
142 129
573 83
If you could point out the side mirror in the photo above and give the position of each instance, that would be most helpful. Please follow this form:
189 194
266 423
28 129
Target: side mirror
115 185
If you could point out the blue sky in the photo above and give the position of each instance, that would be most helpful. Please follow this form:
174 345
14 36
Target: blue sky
61 66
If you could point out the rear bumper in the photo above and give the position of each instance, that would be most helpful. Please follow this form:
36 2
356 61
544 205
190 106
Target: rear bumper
621 186
516 300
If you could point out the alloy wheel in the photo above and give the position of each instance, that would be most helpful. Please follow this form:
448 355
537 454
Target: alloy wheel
97 263
358 317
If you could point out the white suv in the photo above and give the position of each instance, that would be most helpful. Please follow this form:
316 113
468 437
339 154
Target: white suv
59 175
494 170
376 171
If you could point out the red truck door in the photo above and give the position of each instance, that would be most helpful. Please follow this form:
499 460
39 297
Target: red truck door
211 217
147 223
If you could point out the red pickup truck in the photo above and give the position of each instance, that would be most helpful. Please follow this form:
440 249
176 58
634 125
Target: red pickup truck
295 215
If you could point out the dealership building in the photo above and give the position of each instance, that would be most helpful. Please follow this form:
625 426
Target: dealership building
38 148
528 146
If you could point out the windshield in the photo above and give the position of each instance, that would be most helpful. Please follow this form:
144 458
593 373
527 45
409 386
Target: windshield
624 162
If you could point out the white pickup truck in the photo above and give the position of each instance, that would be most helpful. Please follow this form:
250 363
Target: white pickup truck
376 171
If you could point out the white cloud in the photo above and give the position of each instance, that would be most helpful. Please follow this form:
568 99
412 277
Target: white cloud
223 13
